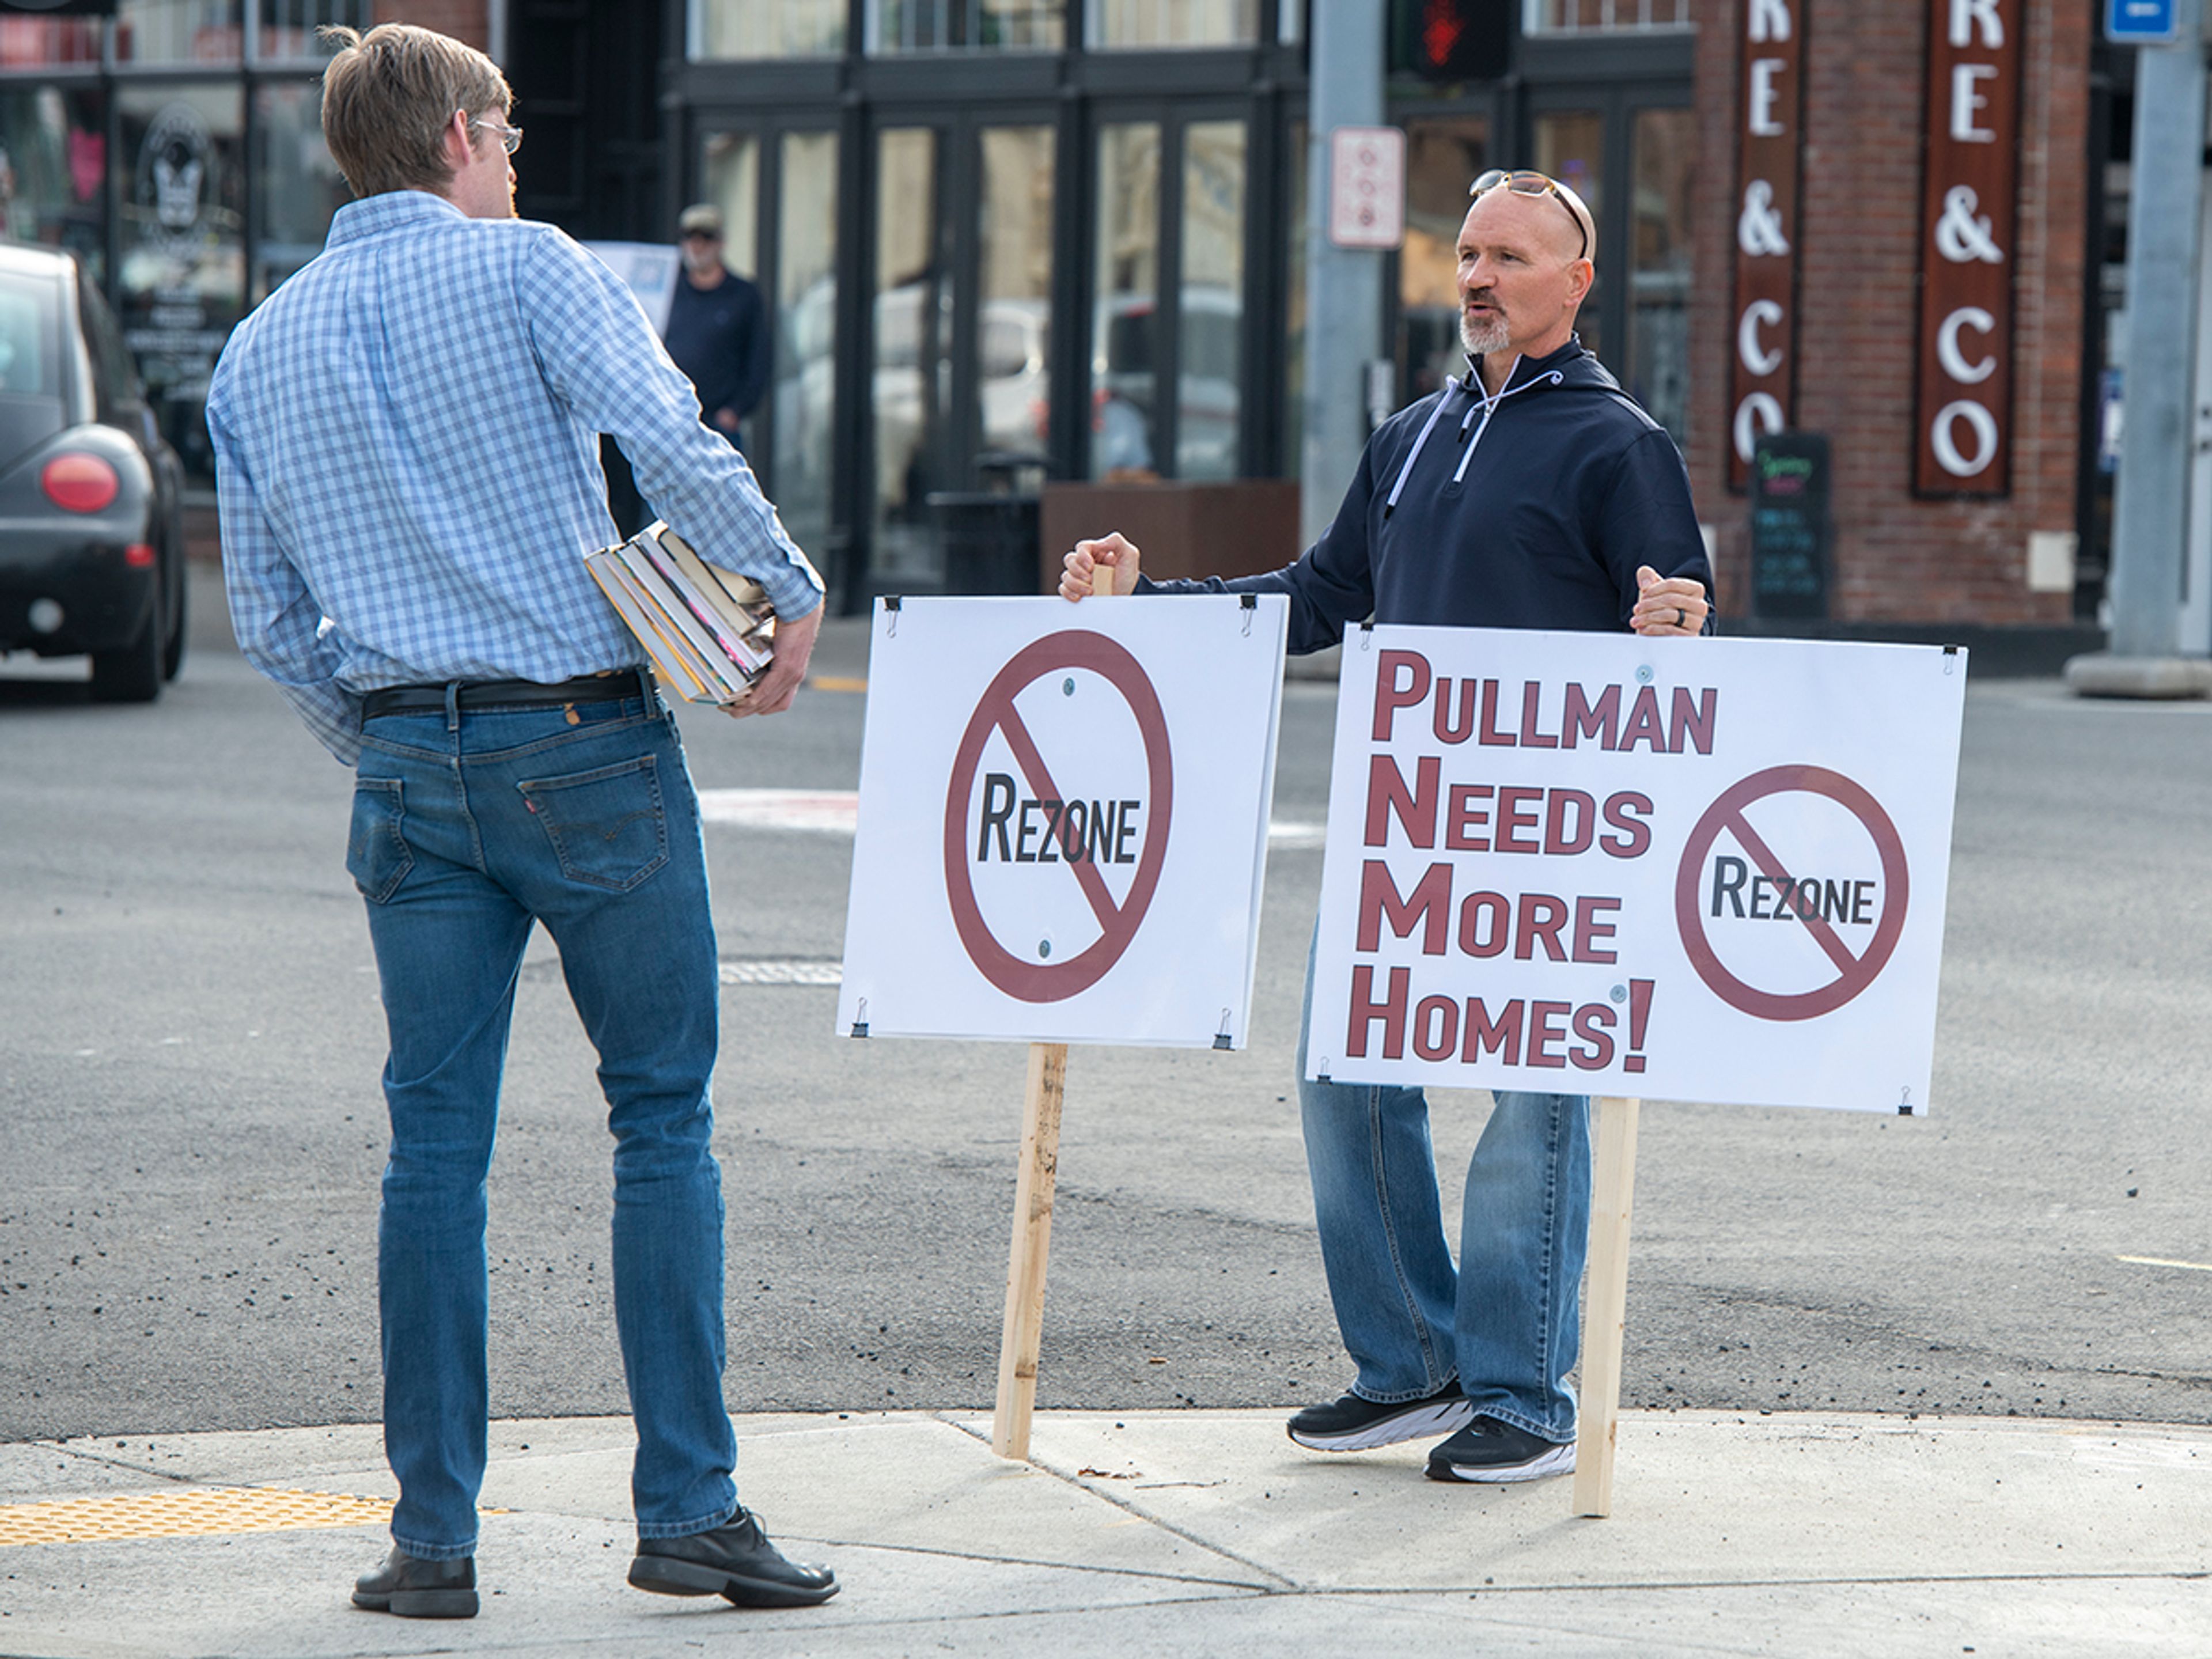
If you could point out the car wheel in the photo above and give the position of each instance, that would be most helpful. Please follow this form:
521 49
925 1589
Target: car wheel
172 653
133 673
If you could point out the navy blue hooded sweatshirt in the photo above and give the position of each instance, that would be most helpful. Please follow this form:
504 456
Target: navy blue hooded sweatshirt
1530 510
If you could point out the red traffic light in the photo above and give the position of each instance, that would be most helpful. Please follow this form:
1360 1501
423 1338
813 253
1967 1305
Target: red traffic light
1456 39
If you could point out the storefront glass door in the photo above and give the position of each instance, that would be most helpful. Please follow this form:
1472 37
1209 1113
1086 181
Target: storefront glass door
1444 154
804 393
910 347
1013 269
1168 281
1571 148
1665 151
180 238
1630 151
778 191
959 346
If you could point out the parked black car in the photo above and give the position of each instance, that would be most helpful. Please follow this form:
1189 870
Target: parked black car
92 547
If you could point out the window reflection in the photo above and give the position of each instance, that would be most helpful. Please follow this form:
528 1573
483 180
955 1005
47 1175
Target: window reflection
768 28
179 235
288 27
730 172
1210 335
912 327
297 187
1666 151
1123 416
1294 317
1013 382
1605 16
984 24
806 297
1173 22
1571 148
1442 158
34 42
179 31
53 160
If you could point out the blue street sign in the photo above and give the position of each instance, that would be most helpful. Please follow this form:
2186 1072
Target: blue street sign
2141 23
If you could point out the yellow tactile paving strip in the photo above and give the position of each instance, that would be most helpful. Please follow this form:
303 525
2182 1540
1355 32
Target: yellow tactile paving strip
185 1512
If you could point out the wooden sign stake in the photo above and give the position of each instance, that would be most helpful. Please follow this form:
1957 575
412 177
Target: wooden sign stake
1025 1327
1022 1334
1605 1314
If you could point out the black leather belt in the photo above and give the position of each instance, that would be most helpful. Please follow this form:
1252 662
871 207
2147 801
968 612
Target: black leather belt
477 696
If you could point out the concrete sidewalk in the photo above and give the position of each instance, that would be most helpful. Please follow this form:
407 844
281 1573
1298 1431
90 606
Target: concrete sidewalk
1168 1532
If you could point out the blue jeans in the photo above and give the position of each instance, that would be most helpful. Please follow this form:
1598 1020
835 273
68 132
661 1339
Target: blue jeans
466 829
1506 1322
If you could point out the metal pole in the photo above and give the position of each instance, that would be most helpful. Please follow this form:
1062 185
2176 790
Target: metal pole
2151 510
1344 286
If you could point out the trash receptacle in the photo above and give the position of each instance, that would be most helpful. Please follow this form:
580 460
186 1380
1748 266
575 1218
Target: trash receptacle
989 536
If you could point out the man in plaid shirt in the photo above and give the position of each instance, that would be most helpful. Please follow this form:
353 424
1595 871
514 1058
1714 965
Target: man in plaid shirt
406 437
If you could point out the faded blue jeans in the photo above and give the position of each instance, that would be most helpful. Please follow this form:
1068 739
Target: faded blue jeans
466 829
1506 1321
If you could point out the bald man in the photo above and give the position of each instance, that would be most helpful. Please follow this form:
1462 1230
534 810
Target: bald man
1532 492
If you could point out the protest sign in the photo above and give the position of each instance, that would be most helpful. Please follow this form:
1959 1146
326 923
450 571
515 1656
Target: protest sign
1063 820
1063 836
1678 869
649 269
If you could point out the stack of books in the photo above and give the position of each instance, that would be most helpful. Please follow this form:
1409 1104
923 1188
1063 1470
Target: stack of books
710 633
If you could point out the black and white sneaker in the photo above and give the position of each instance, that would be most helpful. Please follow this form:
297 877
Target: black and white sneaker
1353 1423
1489 1451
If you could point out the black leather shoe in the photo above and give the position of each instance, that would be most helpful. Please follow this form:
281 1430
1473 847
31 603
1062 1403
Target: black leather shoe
419 1589
734 1561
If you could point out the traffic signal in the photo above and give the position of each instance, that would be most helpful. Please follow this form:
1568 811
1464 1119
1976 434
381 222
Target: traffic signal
1453 40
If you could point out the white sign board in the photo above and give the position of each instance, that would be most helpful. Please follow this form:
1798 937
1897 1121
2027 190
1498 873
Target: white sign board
1366 186
1063 820
649 268
1680 869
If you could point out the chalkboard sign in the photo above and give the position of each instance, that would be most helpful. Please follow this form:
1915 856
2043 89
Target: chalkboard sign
1790 533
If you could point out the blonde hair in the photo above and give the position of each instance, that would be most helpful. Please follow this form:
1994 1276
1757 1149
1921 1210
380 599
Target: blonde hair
388 96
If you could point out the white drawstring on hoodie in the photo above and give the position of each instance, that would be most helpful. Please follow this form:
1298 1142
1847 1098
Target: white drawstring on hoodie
1483 404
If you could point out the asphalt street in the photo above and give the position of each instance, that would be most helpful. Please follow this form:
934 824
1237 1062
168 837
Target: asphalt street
190 1125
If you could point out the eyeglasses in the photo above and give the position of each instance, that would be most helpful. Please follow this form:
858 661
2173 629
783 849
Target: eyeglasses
700 236
510 138
1528 182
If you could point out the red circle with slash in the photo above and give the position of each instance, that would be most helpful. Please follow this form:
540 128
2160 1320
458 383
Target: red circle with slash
1039 981
1853 973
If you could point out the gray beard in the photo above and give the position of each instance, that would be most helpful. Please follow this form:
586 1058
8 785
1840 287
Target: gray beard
1481 341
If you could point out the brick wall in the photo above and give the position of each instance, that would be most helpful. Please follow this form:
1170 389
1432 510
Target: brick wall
1899 557
467 21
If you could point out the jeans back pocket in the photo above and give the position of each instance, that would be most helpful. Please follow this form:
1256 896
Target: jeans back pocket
377 854
607 826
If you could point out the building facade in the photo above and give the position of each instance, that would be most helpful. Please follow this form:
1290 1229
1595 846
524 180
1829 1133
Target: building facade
1870 241
1923 304
174 147
1076 230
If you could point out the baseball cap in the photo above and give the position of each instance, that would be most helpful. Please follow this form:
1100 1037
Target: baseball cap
703 216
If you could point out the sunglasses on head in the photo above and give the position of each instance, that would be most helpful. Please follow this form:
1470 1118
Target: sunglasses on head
1527 181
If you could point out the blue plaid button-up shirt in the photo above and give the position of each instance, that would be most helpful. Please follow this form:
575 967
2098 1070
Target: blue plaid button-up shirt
406 439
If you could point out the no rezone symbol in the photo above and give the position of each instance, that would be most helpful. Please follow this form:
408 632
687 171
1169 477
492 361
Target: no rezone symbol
1077 834
1816 904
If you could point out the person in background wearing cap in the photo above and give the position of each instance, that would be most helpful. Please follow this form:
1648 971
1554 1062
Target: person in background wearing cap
718 330
1531 493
